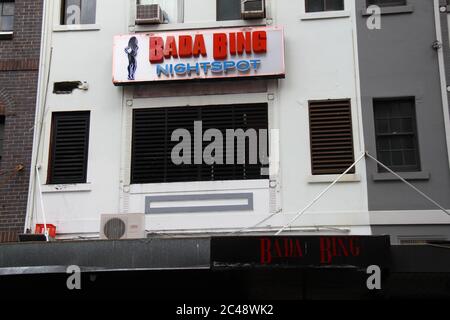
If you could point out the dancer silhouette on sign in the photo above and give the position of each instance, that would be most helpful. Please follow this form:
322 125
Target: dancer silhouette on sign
132 51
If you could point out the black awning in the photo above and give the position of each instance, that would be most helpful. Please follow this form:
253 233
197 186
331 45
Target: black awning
215 253
97 256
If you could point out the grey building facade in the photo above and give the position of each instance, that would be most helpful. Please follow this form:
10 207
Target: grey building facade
403 119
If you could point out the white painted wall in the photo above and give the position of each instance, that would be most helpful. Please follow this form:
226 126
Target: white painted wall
320 60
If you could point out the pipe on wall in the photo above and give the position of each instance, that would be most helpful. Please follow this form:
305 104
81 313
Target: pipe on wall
442 75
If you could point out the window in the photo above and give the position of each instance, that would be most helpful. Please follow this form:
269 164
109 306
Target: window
69 148
396 134
228 10
6 15
2 133
331 136
323 5
152 146
78 11
386 3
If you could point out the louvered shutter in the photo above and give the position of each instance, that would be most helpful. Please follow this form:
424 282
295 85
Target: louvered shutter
152 145
69 147
331 137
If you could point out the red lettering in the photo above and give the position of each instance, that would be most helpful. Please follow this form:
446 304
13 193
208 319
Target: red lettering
220 46
199 46
278 249
266 256
334 247
355 249
260 42
343 248
185 46
298 248
156 50
325 250
287 252
170 49
233 44
244 42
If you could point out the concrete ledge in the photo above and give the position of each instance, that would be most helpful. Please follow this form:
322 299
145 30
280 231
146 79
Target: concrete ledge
392 10
82 187
331 178
76 27
422 175
325 15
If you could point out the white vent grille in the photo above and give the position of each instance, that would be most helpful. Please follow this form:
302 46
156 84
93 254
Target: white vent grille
149 14
418 242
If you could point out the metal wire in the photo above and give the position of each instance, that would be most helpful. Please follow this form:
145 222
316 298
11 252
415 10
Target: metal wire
409 184
319 196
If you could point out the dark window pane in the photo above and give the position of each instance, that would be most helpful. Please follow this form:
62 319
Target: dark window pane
397 146
228 10
408 142
382 126
396 143
405 108
331 5
383 143
79 11
410 158
396 125
7 23
407 125
315 5
323 5
385 157
8 9
88 11
397 158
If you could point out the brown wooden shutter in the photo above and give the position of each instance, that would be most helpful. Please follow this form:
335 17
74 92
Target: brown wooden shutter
331 136
69 147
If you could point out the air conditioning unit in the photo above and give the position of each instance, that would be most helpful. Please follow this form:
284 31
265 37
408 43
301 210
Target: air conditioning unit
149 14
122 226
253 9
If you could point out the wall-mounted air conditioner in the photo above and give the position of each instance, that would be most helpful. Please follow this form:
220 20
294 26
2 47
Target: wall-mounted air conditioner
149 14
122 226
253 9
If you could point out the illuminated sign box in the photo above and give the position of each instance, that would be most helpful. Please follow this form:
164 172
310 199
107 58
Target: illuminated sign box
199 54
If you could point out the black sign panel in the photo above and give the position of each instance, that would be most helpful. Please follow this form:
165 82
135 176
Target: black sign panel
297 251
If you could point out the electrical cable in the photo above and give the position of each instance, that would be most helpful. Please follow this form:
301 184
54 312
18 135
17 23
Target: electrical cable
409 184
362 156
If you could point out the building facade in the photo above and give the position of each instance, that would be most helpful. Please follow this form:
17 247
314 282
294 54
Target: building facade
405 119
20 36
198 131
322 95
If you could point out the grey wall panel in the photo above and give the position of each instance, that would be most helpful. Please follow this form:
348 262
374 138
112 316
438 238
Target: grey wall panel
413 232
397 61
198 198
